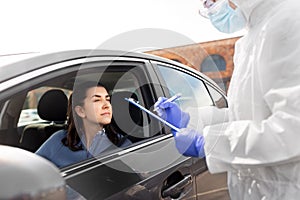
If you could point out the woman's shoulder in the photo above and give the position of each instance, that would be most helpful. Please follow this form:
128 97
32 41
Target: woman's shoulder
57 136
53 143
124 141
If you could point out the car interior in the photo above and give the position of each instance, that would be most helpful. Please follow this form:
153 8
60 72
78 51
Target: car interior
48 109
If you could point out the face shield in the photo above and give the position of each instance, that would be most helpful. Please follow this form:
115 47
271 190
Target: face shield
210 7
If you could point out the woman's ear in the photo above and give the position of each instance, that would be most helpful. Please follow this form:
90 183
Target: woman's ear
80 111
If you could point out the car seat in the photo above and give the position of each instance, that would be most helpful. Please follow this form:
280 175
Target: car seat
52 107
127 119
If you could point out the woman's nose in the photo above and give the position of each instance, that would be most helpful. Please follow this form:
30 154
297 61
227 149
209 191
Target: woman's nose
106 104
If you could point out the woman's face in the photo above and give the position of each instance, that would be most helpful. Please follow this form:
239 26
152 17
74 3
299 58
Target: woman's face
96 106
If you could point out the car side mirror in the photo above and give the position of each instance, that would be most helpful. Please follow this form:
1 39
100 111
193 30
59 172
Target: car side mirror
25 175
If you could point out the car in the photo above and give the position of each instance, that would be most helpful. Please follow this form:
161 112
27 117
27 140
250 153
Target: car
151 167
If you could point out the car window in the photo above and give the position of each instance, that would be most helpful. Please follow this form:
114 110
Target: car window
22 126
29 113
192 89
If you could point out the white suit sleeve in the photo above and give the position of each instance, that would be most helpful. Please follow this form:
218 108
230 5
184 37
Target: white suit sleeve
207 115
274 139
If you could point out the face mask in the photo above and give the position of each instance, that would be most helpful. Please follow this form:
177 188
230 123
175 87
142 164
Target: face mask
228 20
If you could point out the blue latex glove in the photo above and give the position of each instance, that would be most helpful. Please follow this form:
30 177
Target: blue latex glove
171 112
189 142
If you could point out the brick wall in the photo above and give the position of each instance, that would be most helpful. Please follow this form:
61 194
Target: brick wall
193 55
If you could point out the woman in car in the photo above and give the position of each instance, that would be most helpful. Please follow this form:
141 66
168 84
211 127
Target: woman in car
89 131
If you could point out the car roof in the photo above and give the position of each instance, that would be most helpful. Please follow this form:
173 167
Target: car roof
14 65
17 64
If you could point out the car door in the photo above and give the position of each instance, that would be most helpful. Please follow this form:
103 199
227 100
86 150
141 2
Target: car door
151 168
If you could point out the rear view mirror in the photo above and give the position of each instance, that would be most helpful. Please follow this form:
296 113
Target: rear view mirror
25 175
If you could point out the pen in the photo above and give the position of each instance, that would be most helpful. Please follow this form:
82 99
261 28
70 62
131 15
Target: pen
171 99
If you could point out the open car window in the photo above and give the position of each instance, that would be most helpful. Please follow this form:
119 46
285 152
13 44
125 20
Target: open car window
22 126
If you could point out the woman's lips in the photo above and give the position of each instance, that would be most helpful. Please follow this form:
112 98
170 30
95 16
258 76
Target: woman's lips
106 113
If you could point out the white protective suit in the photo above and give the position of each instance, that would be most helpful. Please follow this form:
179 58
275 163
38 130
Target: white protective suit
259 145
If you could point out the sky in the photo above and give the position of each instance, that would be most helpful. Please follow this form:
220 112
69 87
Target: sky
52 25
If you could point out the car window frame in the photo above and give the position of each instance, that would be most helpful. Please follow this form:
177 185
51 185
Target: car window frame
197 74
44 76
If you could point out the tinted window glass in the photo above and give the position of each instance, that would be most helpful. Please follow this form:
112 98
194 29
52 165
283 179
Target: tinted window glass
194 93
29 113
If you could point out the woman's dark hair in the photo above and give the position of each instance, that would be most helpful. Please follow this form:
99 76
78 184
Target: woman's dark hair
74 122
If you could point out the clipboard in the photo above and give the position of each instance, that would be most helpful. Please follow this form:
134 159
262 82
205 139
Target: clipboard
132 101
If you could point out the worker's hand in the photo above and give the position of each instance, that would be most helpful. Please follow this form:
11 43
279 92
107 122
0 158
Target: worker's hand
189 142
171 112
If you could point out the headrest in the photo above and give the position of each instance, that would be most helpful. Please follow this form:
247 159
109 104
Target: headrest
125 115
53 106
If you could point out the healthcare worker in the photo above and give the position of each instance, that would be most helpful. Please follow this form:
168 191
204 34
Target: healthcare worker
258 145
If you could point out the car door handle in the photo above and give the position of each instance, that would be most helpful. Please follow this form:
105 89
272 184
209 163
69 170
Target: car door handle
177 187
